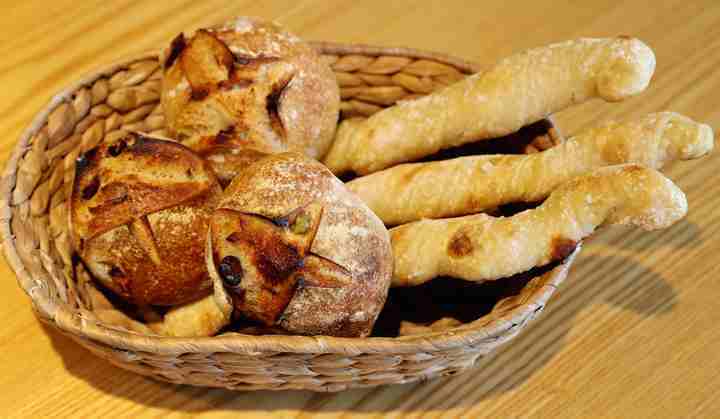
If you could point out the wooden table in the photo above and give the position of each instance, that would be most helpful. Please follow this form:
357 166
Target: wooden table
634 331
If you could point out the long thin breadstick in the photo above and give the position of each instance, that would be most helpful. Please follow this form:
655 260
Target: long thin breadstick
468 185
518 91
480 247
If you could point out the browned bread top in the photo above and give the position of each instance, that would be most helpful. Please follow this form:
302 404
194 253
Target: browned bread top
297 250
248 84
130 178
139 214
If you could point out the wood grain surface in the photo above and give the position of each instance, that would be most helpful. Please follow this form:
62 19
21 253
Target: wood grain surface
633 332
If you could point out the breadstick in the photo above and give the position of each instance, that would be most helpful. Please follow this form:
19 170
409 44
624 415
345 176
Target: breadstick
469 185
204 317
480 247
518 91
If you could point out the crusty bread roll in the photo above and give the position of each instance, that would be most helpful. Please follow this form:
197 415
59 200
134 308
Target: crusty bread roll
248 85
204 317
295 249
139 214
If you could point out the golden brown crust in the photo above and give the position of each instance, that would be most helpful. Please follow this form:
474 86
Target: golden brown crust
264 260
229 163
248 85
204 317
516 92
480 247
141 225
118 182
314 259
414 191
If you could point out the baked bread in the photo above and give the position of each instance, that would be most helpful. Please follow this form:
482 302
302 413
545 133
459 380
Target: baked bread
228 163
413 191
139 214
204 317
480 247
248 85
516 92
296 250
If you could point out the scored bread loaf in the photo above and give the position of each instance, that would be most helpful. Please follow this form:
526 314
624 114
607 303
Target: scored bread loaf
247 85
295 249
139 212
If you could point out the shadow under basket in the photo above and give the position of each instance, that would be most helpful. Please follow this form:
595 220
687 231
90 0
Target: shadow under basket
125 96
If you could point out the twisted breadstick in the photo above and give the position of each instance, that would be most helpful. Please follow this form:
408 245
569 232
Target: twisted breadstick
468 185
481 247
518 91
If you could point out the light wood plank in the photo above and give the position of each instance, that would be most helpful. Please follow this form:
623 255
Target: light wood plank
633 333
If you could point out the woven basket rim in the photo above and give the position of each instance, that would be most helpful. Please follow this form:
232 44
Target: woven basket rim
76 323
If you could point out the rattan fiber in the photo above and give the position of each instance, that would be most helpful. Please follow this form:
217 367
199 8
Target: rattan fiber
124 96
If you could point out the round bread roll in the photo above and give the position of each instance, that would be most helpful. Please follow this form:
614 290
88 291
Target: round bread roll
247 85
295 249
139 214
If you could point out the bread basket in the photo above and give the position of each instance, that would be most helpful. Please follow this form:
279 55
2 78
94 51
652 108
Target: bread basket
125 95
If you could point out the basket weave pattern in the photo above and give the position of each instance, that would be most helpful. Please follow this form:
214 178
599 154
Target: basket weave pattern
125 96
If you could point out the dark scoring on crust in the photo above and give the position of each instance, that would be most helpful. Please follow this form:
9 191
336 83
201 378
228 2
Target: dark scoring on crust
177 46
272 105
267 292
239 79
562 247
225 136
278 252
199 93
91 188
323 273
102 199
158 150
274 260
117 148
85 161
155 262
460 244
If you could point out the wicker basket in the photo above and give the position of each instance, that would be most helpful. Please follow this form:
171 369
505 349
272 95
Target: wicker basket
125 96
